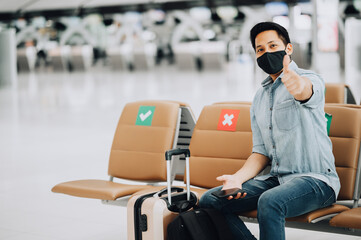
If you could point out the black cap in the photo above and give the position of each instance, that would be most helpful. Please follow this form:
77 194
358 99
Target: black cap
266 26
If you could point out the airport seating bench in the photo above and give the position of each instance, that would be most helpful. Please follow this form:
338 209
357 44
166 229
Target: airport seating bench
218 149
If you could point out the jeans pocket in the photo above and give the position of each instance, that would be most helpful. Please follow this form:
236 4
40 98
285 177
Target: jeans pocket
287 115
330 200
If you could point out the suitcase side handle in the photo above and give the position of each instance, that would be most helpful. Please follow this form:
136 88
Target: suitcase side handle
181 205
173 189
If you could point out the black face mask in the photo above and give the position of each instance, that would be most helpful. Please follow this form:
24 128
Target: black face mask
271 62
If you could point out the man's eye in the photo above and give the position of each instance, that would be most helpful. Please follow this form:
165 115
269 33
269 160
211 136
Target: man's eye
260 50
273 45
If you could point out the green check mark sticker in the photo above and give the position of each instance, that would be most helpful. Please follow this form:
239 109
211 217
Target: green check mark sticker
145 115
328 119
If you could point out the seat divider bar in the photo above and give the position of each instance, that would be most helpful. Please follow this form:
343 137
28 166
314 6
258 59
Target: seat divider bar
357 191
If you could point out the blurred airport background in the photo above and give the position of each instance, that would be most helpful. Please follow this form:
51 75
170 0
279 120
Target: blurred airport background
67 36
203 35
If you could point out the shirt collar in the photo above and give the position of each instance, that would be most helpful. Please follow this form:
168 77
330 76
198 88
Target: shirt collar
268 80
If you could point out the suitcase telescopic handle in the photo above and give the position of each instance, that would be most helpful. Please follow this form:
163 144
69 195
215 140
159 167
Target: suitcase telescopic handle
178 151
168 158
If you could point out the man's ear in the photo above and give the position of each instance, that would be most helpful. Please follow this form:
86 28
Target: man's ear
289 49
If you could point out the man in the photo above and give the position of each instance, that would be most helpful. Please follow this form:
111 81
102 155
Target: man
289 133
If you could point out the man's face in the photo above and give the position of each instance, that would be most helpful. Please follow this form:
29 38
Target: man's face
268 41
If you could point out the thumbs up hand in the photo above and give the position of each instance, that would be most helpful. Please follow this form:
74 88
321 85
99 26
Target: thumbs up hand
299 87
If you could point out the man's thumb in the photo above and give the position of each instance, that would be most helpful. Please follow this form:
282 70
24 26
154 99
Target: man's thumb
286 62
221 178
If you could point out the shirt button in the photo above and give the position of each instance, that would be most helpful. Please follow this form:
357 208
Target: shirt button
270 109
270 127
274 146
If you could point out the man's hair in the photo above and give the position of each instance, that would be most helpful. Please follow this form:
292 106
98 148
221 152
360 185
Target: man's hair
266 26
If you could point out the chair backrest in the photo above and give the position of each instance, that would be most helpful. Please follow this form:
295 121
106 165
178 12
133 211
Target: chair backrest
339 93
345 134
220 144
335 93
145 130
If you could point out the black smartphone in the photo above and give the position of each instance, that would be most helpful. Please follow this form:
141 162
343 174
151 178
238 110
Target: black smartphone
227 192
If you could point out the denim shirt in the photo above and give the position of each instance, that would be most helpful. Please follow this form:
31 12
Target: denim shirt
293 135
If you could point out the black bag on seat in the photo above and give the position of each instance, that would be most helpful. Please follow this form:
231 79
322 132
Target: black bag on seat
199 224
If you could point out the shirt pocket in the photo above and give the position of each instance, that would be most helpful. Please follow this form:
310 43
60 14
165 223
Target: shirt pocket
287 115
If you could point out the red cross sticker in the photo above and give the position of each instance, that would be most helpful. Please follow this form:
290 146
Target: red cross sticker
228 120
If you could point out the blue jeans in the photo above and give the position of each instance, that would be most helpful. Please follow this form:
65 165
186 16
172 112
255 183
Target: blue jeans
274 203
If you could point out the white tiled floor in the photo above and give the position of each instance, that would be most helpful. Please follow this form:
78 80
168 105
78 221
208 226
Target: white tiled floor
57 127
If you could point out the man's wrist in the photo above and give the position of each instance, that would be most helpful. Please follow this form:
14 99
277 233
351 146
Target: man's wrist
239 178
307 93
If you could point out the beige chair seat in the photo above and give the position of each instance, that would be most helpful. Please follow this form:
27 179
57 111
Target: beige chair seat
348 219
98 189
308 217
